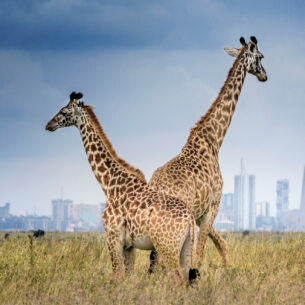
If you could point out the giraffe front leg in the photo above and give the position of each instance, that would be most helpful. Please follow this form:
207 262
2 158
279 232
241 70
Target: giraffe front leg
115 248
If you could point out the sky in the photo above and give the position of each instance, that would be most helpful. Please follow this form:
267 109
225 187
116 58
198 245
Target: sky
151 69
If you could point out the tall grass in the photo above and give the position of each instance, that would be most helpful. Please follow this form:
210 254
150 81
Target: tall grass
75 268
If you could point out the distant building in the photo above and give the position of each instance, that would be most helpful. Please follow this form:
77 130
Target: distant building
61 210
67 216
294 220
85 216
225 217
302 205
5 211
264 221
252 204
239 202
282 198
244 202
263 209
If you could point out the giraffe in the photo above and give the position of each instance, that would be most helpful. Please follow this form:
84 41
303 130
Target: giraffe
194 175
135 215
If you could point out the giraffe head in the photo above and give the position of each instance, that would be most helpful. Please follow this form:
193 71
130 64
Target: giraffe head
68 115
252 57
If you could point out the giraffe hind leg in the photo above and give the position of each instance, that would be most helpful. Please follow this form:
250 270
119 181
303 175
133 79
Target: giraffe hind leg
129 259
202 236
193 275
220 244
153 258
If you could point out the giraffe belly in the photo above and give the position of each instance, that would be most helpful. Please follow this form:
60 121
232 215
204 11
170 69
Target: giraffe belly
143 243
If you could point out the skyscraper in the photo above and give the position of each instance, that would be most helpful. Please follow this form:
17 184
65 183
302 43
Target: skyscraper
302 206
61 213
60 209
252 204
5 211
282 195
244 201
263 209
225 218
239 202
294 219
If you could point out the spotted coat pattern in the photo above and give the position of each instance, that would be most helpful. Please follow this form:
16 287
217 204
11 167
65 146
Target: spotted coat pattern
135 215
194 175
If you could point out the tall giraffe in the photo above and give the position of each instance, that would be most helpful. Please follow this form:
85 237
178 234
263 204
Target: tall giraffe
135 215
194 175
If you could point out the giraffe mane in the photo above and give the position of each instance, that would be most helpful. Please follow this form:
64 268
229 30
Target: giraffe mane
219 96
98 127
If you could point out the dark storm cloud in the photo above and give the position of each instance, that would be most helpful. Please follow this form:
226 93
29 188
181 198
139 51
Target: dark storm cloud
42 25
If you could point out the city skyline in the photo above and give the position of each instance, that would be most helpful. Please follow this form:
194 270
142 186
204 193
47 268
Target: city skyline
151 70
247 190
240 211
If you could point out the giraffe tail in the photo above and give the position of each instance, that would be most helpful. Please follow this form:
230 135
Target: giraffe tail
193 272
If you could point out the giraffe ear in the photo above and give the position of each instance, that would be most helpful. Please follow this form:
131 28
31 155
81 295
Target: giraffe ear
232 51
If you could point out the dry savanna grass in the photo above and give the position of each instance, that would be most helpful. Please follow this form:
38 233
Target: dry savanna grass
75 268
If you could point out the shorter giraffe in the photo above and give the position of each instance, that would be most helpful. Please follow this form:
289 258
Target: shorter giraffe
135 215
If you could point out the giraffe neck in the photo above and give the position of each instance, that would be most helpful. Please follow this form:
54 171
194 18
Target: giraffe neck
112 172
213 125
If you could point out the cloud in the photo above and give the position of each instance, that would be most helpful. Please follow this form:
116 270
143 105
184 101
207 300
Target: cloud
65 25
86 25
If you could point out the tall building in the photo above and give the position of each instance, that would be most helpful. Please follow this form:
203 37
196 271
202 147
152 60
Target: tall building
264 222
5 211
282 197
87 213
289 219
239 202
61 209
244 201
302 205
263 209
225 218
252 205
61 213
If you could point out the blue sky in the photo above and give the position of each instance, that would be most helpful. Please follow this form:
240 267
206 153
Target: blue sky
151 69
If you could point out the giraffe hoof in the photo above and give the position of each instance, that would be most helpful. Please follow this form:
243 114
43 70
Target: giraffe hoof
193 274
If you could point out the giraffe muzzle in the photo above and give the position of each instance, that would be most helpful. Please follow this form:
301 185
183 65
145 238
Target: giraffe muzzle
50 127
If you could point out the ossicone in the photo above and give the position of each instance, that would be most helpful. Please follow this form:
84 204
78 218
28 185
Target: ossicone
76 96
253 39
242 41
